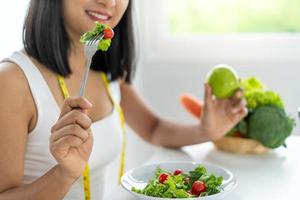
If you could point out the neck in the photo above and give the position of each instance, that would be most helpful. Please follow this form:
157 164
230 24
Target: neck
77 57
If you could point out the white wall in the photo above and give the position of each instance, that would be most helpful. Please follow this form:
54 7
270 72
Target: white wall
163 83
162 78
12 14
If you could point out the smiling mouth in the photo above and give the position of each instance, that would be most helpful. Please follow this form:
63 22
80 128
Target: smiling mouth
97 16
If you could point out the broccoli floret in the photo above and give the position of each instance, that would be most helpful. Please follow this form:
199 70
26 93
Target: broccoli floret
270 125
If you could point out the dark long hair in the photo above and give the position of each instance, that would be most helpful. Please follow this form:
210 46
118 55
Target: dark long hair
45 38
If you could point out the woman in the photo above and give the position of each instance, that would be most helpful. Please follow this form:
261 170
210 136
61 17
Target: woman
34 109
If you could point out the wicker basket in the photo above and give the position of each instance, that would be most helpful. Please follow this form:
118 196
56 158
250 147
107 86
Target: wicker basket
240 145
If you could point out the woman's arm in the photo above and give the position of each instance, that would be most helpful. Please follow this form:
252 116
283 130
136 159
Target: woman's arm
52 186
17 111
219 116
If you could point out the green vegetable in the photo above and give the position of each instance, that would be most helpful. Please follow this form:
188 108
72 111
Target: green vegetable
176 186
172 188
256 95
104 44
252 83
98 29
197 173
257 98
212 183
267 121
242 127
270 125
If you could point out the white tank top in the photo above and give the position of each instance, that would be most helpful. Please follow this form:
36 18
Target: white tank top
38 159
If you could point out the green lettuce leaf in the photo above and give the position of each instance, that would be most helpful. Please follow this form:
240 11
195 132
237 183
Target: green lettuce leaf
104 44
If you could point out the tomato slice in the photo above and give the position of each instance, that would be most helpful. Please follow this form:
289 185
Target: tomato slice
108 33
163 177
198 187
177 171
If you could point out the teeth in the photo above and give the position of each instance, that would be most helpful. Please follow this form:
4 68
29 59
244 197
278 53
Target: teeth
103 17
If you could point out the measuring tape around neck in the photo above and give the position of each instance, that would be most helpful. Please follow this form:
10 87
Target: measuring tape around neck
86 173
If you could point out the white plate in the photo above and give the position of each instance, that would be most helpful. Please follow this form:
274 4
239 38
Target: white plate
140 176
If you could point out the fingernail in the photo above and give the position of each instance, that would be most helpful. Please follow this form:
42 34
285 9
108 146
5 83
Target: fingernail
90 104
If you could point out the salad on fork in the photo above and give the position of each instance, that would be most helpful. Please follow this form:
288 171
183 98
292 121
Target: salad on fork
99 38
99 29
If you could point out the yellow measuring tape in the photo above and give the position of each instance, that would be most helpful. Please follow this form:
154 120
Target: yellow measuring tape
86 173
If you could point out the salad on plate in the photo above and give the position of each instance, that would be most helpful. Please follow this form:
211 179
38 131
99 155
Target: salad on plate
182 184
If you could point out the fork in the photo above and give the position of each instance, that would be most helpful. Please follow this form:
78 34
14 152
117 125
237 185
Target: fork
90 49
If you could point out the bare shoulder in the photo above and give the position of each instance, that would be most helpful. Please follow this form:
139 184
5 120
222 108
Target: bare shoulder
11 72
15 91
13 83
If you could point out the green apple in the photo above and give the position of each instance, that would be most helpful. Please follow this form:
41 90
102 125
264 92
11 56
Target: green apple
223 81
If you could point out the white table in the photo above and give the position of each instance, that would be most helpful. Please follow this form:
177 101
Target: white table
272 176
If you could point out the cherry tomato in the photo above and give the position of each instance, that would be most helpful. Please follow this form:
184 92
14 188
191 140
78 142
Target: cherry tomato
163 177
177 171
108 33
198 187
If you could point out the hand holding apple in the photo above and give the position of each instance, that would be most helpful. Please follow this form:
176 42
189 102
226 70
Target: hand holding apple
224 105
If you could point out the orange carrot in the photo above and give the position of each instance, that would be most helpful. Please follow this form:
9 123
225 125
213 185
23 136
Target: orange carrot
191 104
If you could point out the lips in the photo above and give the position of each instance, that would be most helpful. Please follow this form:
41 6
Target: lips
98 16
